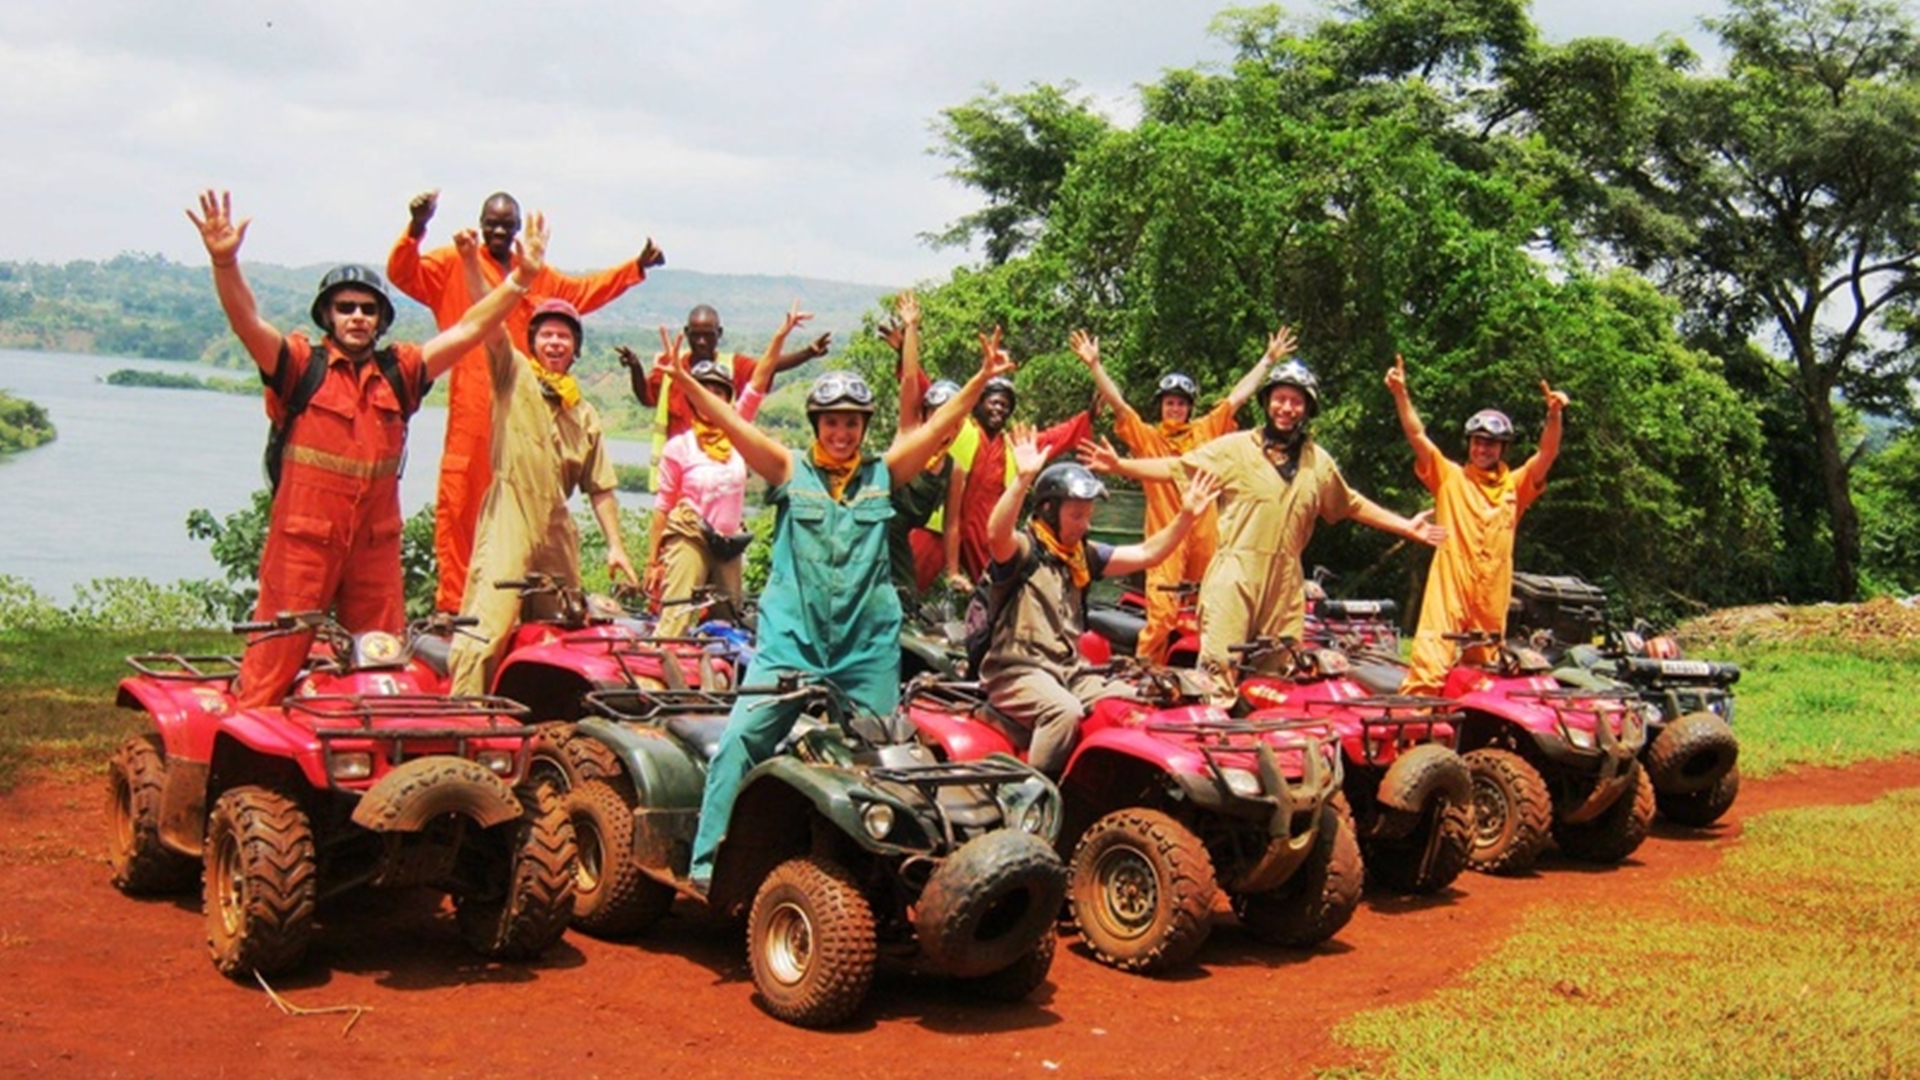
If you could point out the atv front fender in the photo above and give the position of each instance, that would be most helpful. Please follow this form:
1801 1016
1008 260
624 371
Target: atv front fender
417 792
668 781
1416 777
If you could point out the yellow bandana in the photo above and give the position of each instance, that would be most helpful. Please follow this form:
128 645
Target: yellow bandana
563 387
1176 433
1491 482
712 438
838 473
1075 557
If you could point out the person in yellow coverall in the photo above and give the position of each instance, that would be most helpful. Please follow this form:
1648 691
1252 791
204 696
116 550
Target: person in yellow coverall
546 443
1479 503
1275 483
1175 432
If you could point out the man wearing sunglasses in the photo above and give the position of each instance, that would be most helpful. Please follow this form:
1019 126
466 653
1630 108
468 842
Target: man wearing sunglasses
437 279
1480 503
333 536
1175 432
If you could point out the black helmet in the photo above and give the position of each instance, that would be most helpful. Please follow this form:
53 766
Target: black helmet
939 394
1067 480
1490 424
709 373
1000 384
840 391
356 276
1295 374
1175 382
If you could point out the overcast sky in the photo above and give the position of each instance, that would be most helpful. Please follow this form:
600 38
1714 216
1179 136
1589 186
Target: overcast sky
745 136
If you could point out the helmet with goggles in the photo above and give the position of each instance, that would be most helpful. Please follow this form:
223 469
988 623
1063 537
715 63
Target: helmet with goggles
1175 382
1490 424
709 374
1067 480
840 391
939 394
1295 374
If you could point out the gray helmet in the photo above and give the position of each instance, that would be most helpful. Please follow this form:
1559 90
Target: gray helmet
1490 424
840 391
355 276
939 394
709 374
1067 480
1175 382
1295 374
1000 384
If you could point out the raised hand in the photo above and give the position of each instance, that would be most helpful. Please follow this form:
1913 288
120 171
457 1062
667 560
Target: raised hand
1202 488
670 341
990 348
1397 377
821 345
420 211
907 306
794 320
893 333
218 231
1556 399
651 256
1086 347
1029 457
467 243
627 357
1281 345
531 246
1098 456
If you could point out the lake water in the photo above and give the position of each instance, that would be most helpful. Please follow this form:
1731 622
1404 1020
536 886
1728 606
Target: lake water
109 497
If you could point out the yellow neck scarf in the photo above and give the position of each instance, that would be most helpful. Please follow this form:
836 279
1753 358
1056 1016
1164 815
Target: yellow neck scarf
1491 482
1075 557
1176 433
712 438
563 387
838 473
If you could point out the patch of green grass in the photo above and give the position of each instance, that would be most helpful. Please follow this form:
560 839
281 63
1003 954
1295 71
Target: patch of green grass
57 691
1798 957
1796 706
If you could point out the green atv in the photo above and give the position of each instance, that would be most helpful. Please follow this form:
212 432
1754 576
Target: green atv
851 844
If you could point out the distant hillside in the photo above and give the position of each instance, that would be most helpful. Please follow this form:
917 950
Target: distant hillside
145 305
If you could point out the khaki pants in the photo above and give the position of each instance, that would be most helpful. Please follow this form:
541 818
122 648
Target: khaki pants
687 565
1036 699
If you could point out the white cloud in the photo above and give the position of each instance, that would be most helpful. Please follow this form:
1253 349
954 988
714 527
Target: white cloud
743 135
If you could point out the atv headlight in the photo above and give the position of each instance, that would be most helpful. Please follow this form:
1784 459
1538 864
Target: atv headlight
1033 818
354 765
1242 782
1581 738
877 819
497 762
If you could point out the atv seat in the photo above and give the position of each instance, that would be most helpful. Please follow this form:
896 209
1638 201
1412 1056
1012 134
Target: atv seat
701 731
434 651
1379 675
1122 628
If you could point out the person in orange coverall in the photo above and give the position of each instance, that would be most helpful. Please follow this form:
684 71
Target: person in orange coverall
435 279
333 536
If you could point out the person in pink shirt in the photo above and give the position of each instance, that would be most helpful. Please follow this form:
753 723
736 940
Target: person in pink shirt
699 507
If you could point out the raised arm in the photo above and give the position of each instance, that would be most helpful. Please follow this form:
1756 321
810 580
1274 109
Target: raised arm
499 349
405 271
905 339
1003 538
1202 488
1087 348
1280 346
770 360
223 236
1549 449
758 449
1419 528
1102 457
486 315
912 449
1424 450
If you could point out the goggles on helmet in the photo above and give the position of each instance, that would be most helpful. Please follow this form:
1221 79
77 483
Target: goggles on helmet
1176 383
1490 424
939 394
840 389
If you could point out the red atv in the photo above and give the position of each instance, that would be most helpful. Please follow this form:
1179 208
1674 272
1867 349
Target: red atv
1410 794
1169 801
363 777
1114 629
1547 760
1349 625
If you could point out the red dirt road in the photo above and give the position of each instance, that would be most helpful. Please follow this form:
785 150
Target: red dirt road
93 984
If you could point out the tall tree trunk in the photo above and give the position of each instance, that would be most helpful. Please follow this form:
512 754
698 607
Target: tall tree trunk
1844 519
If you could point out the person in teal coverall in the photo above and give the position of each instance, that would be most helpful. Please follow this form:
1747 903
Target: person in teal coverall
829 609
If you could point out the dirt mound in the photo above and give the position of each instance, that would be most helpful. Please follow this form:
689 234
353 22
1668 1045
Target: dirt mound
1879 620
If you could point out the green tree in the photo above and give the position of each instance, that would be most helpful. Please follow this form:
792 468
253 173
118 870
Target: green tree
1014 148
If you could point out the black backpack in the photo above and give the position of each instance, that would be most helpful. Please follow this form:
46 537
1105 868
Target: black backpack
302 396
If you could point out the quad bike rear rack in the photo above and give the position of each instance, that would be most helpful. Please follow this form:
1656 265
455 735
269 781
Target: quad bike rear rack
186 667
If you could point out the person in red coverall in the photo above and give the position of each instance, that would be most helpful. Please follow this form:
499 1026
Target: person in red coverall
435 279
333 536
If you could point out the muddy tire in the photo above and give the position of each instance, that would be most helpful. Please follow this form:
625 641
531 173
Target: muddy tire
611 897
989 902
1020 978
1692 754
142 865
1430 857
1619 829
261 882
1319 898
1701 808
1140 890
524 907
1512 812
810 941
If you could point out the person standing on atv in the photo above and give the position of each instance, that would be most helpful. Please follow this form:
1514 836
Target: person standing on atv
1176 432
437 279
1480 503
1037 595
1276 483
333 535
698 535
829 609
982 470
546 443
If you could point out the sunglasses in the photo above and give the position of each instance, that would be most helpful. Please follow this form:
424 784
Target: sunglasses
369 308
837 386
